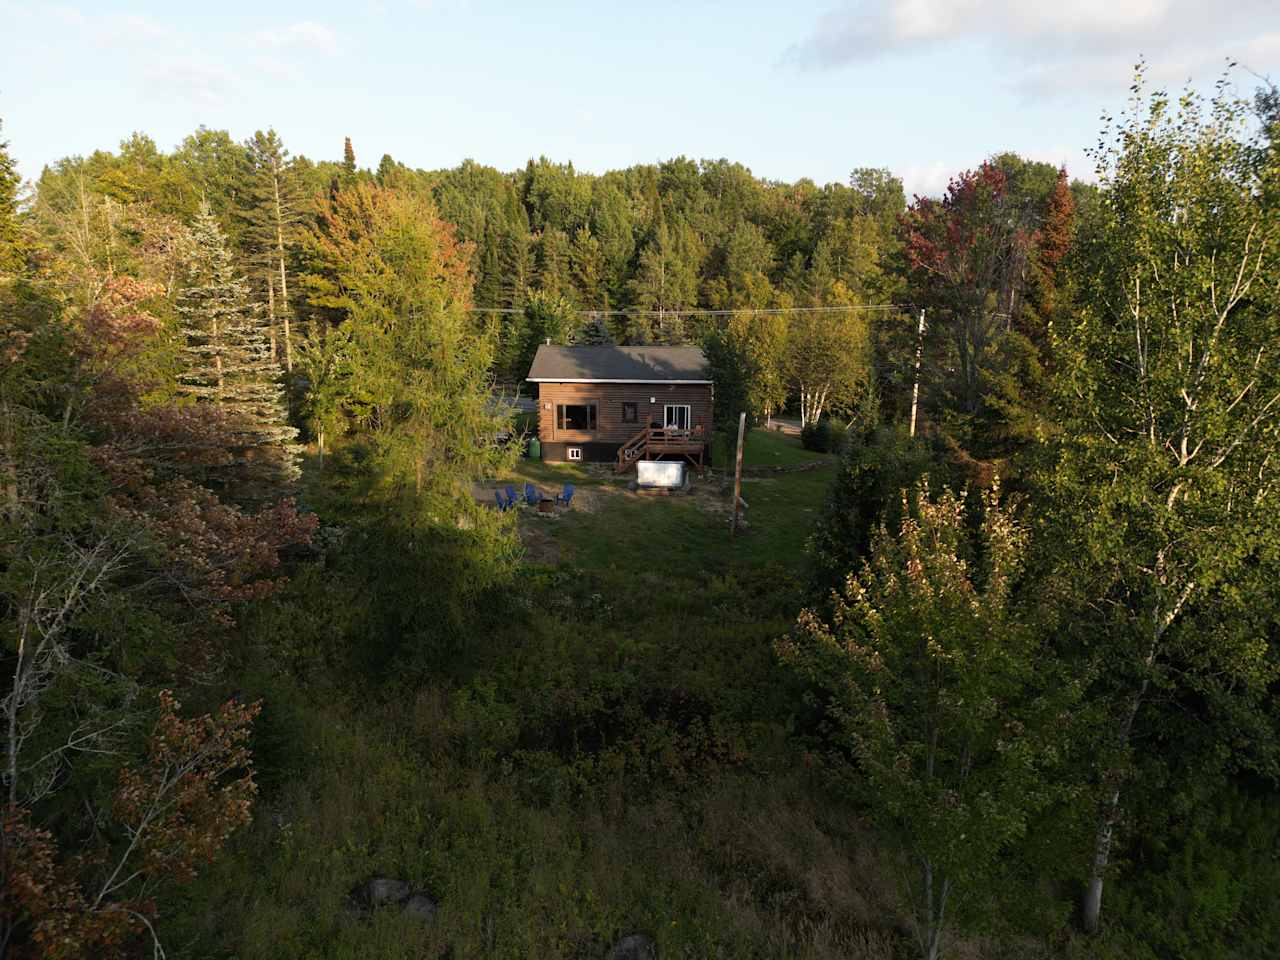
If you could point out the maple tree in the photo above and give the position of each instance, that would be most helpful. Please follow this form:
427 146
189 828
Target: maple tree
968 256
935 683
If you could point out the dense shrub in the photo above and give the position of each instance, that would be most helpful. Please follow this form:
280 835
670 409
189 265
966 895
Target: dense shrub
878 465
825 436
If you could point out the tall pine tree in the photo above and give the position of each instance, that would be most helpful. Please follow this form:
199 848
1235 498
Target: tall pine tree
271 213
553 263
9 232
348 159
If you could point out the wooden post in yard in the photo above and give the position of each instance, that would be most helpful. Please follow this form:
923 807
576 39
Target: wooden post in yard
737 474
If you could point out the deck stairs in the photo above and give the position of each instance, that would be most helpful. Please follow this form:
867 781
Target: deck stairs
653 443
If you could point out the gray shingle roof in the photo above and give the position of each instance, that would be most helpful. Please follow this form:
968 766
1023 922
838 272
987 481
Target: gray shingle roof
620 364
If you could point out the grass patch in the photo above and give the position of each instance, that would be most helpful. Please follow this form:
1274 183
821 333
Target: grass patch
553 476
762 448
679 540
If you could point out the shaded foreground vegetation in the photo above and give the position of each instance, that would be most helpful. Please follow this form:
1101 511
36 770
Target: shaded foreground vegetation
1006 641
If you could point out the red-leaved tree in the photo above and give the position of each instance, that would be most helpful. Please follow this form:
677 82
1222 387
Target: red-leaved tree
171 813
969 258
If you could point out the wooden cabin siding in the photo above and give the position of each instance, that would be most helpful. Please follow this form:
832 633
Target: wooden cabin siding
609 398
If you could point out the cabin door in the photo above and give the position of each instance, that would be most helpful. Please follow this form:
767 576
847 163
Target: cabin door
676 416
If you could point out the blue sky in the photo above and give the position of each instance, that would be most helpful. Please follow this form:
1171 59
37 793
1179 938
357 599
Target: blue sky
924 87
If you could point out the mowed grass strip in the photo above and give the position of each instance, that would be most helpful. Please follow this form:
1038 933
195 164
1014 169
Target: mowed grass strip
682 537
763 448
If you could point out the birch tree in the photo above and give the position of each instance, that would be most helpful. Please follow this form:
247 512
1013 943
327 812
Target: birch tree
828 360
1165 480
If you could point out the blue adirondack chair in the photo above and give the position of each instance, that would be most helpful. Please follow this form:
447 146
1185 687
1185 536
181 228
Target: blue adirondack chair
503 503
567 496
531 495
512 499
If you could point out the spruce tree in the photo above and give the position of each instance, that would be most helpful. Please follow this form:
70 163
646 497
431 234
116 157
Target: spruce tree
488 289
515 254
229 364
348 159
587 264
553 263
595 333
9 232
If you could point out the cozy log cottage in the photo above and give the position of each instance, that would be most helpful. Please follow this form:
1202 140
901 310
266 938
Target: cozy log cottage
623 404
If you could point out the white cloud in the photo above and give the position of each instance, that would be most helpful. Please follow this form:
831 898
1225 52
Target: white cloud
201 83
931 179
1045 46
1173 69
302 35
926 179
110 29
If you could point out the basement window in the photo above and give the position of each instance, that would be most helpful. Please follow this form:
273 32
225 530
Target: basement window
576 416
575 453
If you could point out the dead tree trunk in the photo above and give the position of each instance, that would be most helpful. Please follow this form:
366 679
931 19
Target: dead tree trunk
284 283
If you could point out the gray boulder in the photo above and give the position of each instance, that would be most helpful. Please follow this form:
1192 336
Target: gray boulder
634 947
378 891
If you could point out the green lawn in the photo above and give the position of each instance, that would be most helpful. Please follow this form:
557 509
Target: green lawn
679 538
554 476
762 448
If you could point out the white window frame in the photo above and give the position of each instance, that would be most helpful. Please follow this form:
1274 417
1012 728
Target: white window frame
574 453
688 416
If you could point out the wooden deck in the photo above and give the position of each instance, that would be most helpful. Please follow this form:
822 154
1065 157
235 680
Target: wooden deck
654 443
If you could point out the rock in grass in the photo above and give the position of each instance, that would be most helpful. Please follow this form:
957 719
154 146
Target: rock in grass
379 891
634 947
420 907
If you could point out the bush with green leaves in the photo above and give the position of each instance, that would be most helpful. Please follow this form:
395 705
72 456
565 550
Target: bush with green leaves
877 466
824 436
940 697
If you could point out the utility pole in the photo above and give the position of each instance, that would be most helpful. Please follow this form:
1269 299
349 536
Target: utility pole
737 475
915 391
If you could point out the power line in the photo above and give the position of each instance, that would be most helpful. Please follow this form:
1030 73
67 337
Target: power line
771 311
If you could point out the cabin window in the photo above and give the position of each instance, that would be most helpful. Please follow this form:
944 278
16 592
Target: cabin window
575 453
630 414
677 416
576 416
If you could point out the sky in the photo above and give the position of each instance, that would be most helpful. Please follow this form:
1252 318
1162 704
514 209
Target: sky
926 88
